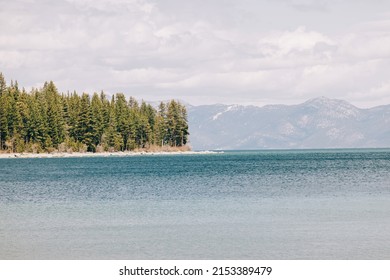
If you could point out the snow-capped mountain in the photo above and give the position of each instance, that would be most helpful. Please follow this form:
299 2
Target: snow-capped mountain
317 123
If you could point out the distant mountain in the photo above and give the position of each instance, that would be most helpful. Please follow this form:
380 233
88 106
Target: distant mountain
317 123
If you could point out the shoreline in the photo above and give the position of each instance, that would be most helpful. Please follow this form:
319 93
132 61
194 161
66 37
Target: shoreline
101 154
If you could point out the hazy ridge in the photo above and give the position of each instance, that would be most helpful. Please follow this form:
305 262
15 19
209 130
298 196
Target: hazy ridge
316 123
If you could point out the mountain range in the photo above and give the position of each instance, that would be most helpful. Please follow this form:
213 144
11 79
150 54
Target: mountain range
316 123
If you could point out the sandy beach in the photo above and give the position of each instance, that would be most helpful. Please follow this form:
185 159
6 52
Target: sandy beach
104 154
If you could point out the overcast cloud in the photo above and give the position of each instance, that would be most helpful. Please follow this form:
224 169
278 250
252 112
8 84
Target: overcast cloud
218 51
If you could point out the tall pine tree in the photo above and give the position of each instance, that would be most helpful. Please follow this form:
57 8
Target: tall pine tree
45 120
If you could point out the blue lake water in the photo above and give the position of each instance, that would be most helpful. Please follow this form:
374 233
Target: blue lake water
307 204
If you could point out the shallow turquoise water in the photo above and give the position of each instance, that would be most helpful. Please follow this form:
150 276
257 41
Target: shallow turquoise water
310 204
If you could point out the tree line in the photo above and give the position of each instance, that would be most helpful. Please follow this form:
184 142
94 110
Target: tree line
43 120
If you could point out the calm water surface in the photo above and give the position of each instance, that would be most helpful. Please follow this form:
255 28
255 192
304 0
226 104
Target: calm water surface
312 204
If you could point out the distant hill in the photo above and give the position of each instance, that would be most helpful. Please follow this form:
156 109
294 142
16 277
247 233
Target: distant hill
317 123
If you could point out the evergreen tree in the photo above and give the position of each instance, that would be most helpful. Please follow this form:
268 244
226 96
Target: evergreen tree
112 140
36 130
183 125
105 110
55 114
161 129
122 116
74 109
148 113
3 84
12 114
177 129
85 125
44 120
23 115
4 108
97 119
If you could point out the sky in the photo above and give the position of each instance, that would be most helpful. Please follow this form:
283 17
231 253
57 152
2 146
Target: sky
254 52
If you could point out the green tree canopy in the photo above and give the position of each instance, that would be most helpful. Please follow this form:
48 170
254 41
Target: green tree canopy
45 120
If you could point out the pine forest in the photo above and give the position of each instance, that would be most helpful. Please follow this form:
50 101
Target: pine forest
43 120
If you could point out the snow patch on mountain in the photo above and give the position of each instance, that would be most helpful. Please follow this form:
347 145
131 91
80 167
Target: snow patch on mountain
316 123
230 108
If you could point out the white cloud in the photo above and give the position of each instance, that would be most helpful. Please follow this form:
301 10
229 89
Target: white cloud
236 51
279 44
366 46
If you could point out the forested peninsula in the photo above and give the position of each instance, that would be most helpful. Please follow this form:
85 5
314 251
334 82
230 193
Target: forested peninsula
45 121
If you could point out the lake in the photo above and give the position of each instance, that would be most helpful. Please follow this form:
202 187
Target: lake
285 204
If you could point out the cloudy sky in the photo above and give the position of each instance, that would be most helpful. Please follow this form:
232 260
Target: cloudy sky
202 52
